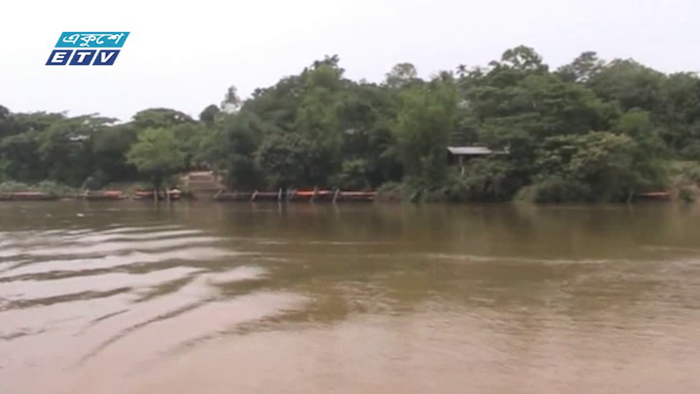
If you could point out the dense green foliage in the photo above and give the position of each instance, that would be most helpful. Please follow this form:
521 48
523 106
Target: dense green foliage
592 130
156 154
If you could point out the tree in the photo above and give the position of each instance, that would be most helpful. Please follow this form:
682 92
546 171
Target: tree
159 118
21 161
277 104
583 69
365 113
209 114
19 149
401 75
630 84
422 129
678 118
591 130
600 166
284 160
67 145
156 155
189 137
245 132
6 126
522 58
109 149
231 102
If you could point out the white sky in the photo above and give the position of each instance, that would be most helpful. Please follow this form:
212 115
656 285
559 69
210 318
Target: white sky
184 54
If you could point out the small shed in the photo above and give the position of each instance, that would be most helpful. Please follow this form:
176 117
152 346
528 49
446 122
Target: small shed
457 154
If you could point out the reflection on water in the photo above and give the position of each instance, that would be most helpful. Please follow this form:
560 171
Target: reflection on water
216 298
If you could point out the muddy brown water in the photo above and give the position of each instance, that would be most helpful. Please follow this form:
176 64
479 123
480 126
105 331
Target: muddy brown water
130 297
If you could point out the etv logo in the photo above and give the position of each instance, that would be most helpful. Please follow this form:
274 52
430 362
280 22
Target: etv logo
83 56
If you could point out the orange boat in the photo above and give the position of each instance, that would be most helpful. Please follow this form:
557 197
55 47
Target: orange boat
105 195
312 195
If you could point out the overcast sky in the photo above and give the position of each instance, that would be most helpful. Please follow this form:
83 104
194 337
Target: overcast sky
184 54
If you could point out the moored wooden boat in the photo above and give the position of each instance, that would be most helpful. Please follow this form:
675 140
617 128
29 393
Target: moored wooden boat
104 195
297 195
233 196
312 195
249 196
142 194
660 195
357 196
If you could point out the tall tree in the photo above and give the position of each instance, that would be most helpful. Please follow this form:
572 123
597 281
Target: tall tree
422 129
209 114
401 75
159 118
156 155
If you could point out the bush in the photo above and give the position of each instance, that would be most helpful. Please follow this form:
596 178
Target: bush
91 184
54 188
692 173
48 187
686 179
12 186
128 187
555 190
483 180
410 191
393 191
353 175
686 194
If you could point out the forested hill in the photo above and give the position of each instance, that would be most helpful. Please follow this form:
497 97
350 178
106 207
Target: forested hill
592 130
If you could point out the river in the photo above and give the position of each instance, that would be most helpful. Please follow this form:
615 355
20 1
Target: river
131 297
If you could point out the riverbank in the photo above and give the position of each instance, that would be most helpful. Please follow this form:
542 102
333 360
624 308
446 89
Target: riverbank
681 185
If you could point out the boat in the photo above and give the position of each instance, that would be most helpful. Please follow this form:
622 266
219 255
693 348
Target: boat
358 196
660 195
248 196
144 194
314 195
97 195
